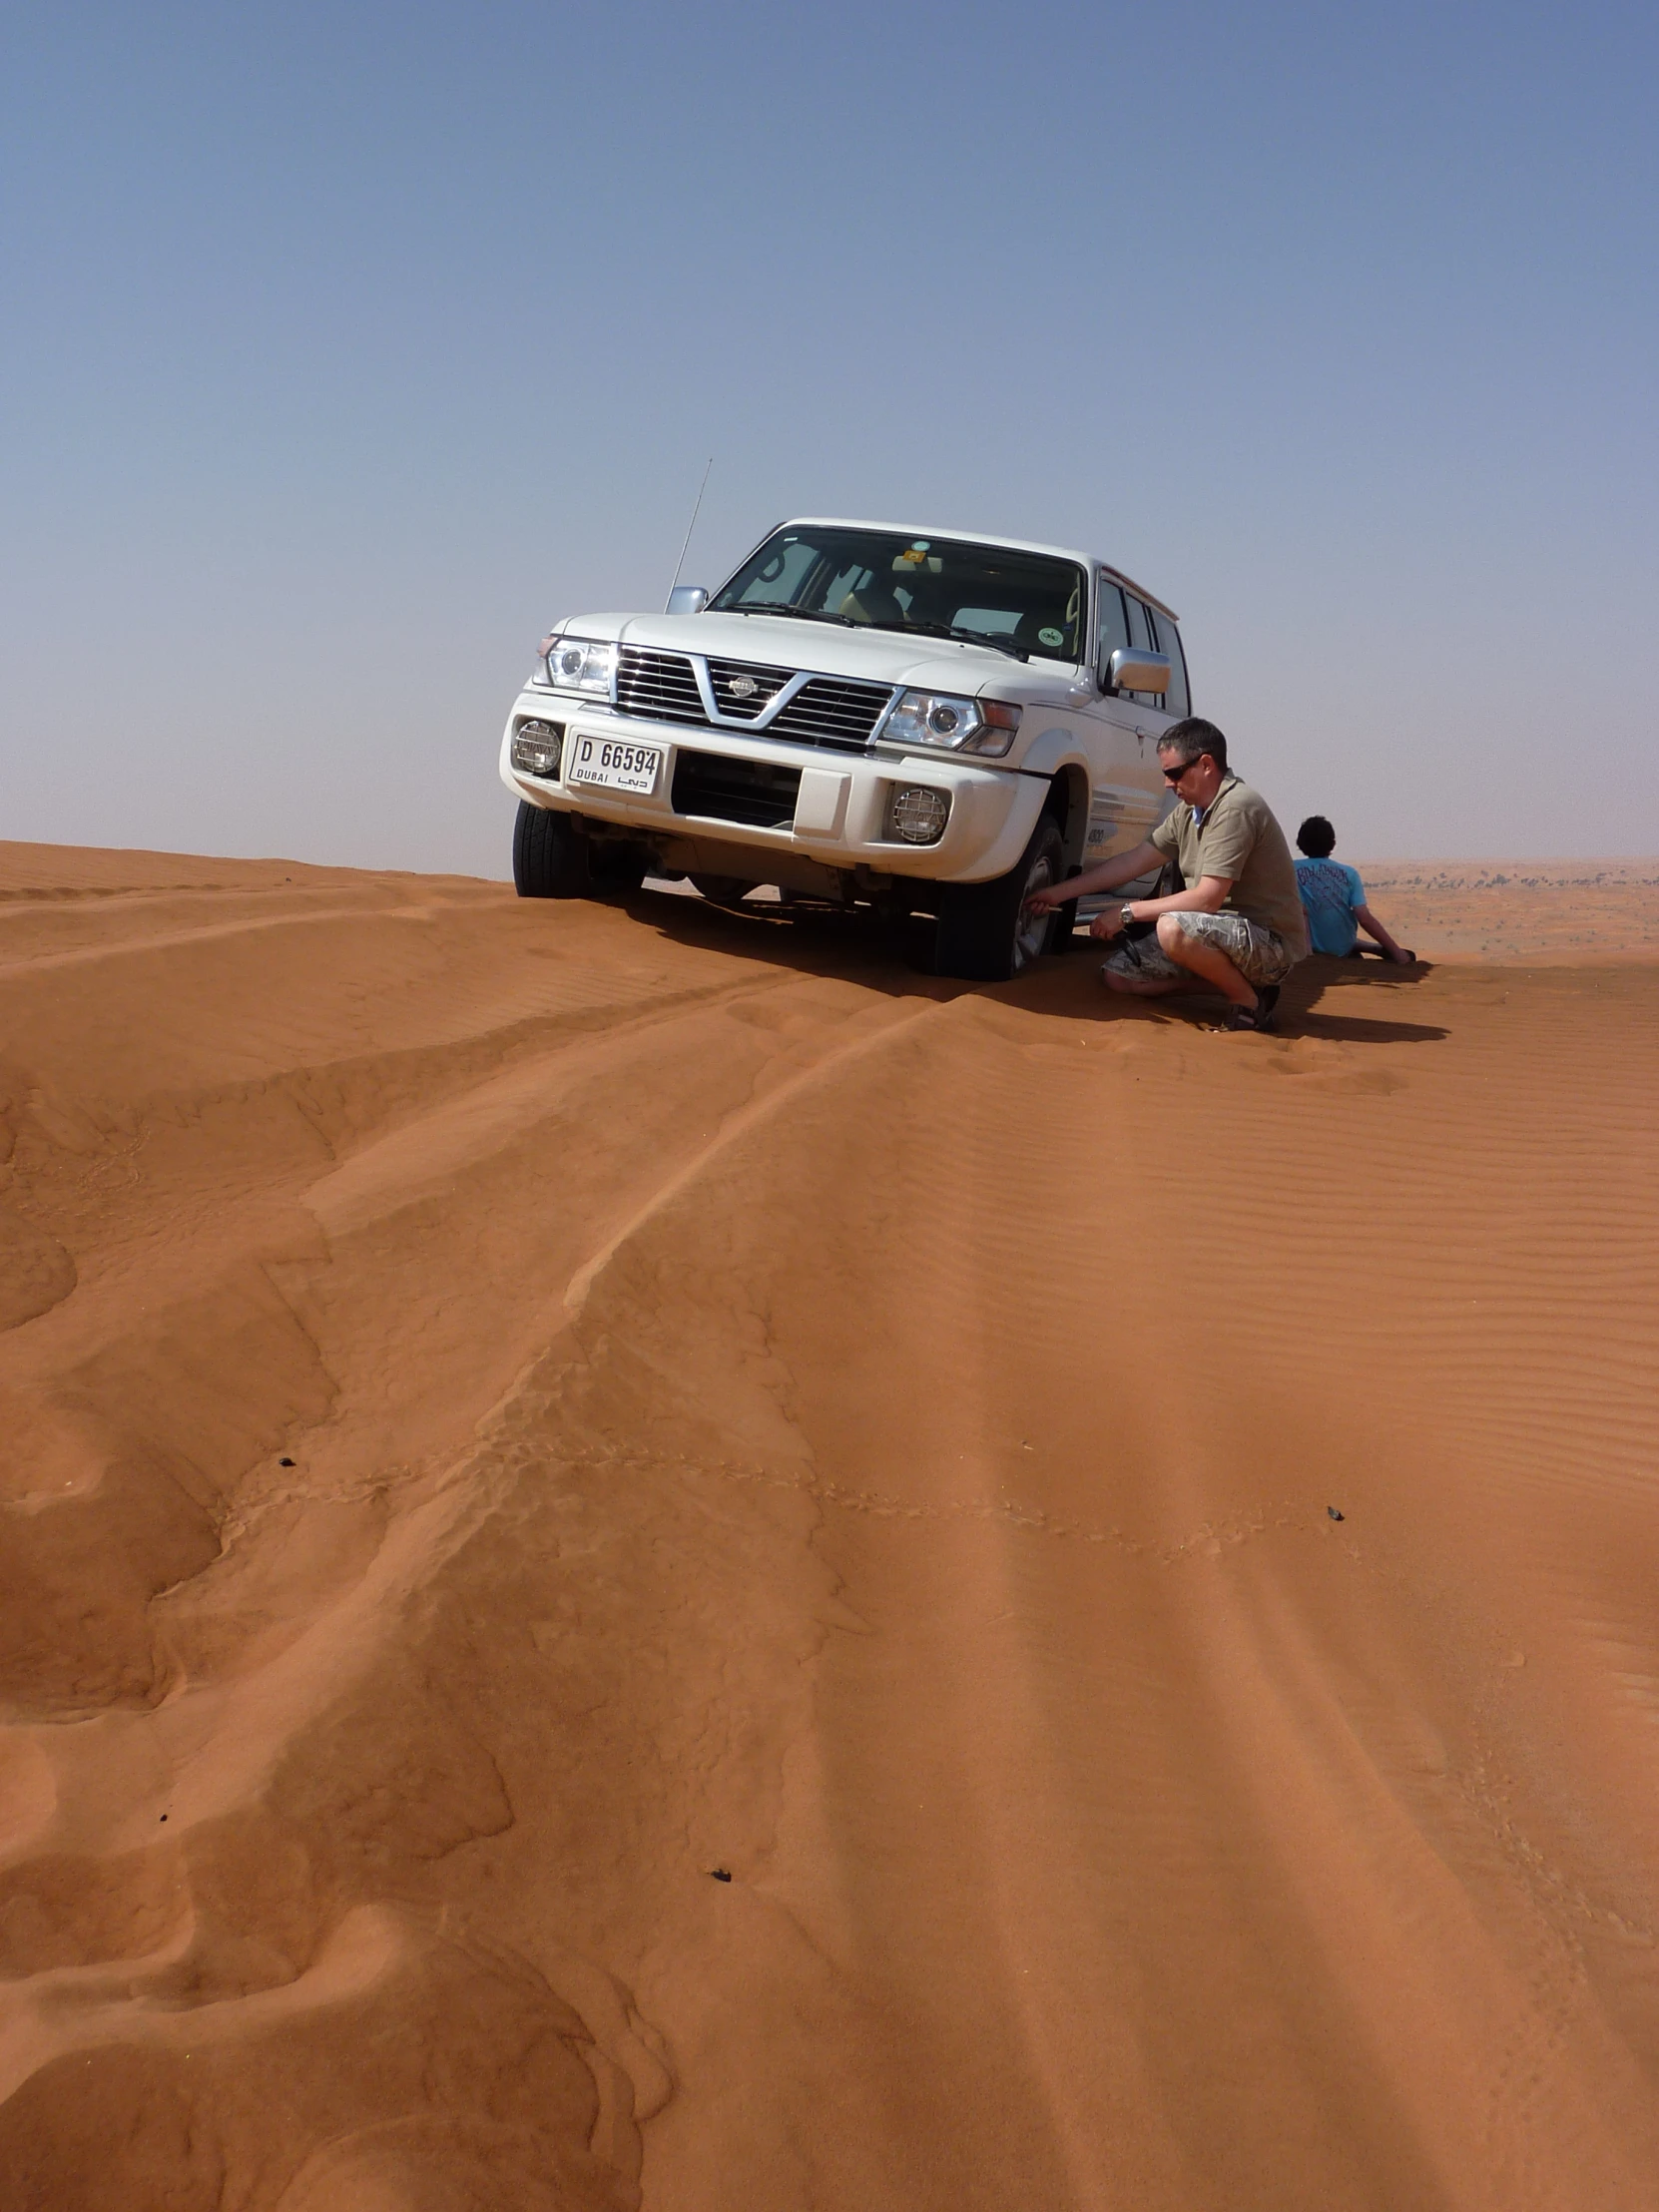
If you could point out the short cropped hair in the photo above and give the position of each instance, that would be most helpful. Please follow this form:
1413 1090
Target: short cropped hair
1191 738
1316 838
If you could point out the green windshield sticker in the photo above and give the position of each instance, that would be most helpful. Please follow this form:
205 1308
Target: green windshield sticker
1051 637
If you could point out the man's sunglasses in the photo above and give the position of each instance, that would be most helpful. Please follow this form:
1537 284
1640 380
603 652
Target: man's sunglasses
1174 775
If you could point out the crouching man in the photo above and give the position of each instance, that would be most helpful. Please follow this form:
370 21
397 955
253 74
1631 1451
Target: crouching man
1239 926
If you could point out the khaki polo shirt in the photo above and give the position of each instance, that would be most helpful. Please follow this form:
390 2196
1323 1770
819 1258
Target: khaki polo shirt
1240 840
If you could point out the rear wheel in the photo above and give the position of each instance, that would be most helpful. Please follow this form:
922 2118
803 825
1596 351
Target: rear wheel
550 854
985 933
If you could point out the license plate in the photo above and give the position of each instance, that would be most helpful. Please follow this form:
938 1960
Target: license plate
616 764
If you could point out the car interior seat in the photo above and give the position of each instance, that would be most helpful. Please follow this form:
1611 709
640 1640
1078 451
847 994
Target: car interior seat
872 601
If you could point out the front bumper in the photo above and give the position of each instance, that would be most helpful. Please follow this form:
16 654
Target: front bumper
840 817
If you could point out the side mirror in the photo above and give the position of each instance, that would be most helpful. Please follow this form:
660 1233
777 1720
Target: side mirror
1129 670
686 599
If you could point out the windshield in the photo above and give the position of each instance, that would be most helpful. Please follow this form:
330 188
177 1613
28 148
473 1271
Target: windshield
1026 602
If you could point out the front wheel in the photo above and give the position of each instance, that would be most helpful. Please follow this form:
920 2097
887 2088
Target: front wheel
985 933
550 854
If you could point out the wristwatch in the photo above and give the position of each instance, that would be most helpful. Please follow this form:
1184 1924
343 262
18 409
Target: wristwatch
1126 916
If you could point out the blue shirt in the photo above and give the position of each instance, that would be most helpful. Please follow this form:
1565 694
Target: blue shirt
1331 891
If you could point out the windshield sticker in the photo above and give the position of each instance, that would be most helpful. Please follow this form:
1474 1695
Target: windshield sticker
1051 637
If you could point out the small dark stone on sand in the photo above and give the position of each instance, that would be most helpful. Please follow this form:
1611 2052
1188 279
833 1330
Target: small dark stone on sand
285 1462
1335 1516
720 1874
163 1816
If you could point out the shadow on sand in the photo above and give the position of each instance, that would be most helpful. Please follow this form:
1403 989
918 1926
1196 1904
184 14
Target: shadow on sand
882 956
1378 985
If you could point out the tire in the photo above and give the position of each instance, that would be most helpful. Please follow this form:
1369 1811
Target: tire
550 854
984 934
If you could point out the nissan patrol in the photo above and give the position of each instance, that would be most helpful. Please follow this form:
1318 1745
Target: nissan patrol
910 719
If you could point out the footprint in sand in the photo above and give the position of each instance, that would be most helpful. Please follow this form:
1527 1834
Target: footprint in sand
36 1273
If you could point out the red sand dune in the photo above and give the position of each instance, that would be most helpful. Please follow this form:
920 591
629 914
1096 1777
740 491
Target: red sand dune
509 1409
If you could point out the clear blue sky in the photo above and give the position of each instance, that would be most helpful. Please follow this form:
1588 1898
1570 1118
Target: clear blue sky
343 347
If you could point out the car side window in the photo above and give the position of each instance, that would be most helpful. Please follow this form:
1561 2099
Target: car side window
1111 625
1178 698
1140 637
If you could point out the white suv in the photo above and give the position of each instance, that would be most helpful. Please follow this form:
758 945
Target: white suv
910 719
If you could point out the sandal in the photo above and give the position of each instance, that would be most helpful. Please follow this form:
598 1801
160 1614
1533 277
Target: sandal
1259 1016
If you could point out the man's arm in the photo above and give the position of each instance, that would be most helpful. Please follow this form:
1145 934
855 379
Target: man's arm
1106 876
1206 896
1374 928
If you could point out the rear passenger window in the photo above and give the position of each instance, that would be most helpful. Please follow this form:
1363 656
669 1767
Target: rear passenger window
1112 626
1178 698
1140 636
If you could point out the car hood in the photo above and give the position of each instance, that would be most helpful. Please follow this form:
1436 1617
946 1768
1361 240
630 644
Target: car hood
876 656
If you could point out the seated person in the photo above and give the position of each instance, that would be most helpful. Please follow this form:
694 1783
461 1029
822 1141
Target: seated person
1333 898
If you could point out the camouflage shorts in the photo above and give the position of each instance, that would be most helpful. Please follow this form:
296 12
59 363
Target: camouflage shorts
1259 954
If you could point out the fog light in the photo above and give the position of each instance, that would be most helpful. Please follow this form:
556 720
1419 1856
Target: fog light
536 748
918 816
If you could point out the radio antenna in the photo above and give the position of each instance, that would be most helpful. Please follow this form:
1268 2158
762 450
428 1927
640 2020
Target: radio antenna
691 526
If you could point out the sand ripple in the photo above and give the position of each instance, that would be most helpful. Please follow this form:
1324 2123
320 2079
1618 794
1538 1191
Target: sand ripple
508 1410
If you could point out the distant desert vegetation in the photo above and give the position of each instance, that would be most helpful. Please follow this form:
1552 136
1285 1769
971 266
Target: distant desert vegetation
1521 909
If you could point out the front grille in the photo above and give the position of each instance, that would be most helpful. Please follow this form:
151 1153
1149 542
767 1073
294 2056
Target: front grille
827 709
754 792
766 682
659 686
832 710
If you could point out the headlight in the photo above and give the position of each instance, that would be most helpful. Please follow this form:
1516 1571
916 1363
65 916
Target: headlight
581 664
984 725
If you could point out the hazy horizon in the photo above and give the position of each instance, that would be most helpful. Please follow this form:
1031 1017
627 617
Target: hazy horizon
346 352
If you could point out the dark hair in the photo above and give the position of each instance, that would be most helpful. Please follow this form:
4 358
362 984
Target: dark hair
1316 838
1192 737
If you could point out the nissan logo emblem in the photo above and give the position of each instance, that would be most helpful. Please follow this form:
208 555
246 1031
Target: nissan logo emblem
743 686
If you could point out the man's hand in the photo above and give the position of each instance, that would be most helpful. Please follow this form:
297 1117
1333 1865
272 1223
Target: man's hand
1052 896
1107 922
